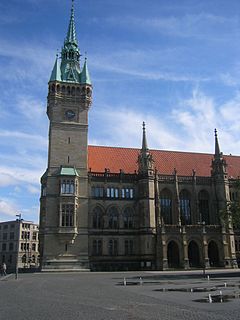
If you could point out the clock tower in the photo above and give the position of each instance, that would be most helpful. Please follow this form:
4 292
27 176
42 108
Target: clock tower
64 197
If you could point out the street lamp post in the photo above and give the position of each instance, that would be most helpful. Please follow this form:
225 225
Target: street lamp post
19 219
202 224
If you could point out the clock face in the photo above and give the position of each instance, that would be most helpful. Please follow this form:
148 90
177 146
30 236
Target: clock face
70 114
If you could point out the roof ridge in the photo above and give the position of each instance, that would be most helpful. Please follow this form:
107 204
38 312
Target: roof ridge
161 150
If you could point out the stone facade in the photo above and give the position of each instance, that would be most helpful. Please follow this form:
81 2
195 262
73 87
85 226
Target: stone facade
19 244
102 219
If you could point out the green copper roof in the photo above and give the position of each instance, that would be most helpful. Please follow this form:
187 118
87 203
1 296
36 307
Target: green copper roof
69 69
71 35
56 72
68 171
85 77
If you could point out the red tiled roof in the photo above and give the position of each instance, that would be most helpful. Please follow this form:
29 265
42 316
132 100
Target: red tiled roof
115 158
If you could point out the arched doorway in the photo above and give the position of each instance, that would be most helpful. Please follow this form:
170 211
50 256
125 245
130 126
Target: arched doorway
213 254
193 255
173 255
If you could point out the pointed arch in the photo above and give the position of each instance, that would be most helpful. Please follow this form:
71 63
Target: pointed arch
203 206
193 254
97 218
113 218
185 207
166 205
173 255
128 218
213 254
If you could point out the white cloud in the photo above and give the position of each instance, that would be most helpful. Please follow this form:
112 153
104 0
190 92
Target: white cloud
190 126
8 209
33 140
31 214
6 179
33 189
30 52
200 25
127 131
18 176
33 109
148 64
33 62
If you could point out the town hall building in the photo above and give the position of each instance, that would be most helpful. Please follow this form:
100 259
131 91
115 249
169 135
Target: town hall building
111 208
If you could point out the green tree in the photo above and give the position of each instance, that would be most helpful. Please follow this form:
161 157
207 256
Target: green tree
232 213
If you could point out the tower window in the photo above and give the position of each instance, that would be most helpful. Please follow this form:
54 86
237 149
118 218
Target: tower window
69 140
67 187
68 159
67 215
44 190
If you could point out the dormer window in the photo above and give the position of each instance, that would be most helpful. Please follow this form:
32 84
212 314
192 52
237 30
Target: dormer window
67 187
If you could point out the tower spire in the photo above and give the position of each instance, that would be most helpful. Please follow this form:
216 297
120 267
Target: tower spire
69 70
71 34
219 165
145 160
85 77
144 139
217 148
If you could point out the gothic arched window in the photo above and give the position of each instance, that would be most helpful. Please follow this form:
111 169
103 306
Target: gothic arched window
128 218
203 205
97 218
67 215
113 218
166 206
185 206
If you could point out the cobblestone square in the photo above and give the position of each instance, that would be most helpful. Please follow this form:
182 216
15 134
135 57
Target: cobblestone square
110 296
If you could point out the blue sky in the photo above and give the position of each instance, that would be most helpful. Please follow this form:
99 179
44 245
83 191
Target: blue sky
173 64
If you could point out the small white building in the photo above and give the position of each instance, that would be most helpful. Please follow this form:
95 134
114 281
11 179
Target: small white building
19 242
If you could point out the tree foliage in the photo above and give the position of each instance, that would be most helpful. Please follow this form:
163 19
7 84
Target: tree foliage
232 213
